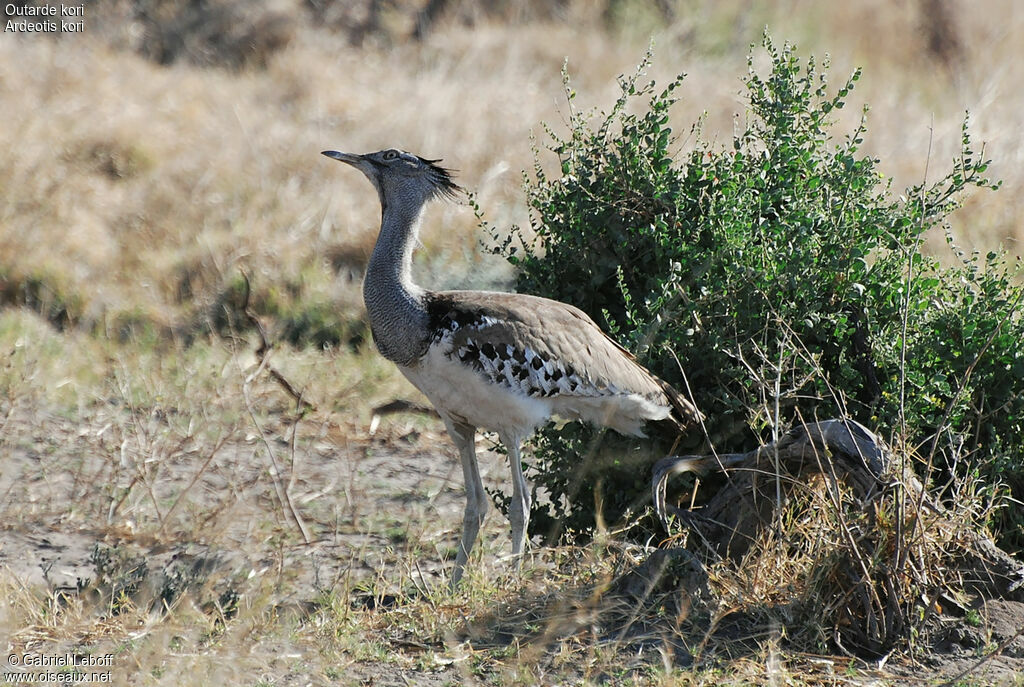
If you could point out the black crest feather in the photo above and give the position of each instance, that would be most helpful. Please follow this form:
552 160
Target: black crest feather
441 177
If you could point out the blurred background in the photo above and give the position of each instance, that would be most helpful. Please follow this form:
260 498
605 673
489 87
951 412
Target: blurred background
151 155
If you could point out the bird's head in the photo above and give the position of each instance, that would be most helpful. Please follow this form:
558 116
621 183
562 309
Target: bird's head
398 173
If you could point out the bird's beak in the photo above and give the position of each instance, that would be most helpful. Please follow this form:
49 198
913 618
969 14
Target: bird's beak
348 158
360 162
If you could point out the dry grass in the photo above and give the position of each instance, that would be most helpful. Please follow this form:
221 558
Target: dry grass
130 196
136 187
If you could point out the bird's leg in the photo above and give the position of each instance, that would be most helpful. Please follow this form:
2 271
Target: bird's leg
476 499
519 508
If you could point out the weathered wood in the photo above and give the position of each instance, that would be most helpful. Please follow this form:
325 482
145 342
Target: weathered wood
895 545
841 450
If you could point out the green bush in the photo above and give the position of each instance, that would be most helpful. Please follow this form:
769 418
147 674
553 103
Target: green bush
786 277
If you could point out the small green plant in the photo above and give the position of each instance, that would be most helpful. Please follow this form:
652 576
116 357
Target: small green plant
775 278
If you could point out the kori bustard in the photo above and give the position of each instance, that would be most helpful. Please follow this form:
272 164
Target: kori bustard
502 362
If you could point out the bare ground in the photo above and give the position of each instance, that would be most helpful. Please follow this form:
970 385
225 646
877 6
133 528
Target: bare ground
121 512
56 491
118 514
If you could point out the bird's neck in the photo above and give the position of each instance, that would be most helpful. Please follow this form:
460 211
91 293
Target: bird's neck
398 316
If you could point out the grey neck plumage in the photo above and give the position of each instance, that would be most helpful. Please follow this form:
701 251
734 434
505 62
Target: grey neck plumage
395 305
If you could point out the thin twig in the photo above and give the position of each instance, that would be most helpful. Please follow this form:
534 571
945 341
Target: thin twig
400 405
264 349
906 288
776 420
955 680
901 550
195 478
282 491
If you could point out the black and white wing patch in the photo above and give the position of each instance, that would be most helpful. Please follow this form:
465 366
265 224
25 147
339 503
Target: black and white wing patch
476 340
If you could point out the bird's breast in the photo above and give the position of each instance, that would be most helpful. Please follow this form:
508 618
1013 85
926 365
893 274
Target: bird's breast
458 389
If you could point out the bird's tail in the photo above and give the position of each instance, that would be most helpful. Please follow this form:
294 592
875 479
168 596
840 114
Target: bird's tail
684 412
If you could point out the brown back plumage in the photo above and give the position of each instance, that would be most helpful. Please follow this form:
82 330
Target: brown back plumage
546 348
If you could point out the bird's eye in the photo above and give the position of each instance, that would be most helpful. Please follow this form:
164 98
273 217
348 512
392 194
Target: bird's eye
390 155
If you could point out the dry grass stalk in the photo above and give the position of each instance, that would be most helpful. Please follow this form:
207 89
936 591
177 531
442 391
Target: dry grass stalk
263 351
863 554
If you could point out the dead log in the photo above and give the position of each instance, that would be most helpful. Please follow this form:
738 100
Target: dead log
843 450
893 551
